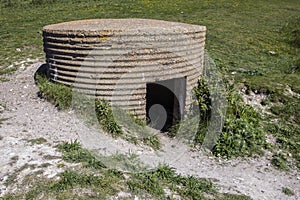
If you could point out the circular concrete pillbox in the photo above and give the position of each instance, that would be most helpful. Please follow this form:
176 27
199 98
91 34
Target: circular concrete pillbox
128 61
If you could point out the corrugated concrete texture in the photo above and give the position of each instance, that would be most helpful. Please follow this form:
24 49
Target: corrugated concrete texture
113 59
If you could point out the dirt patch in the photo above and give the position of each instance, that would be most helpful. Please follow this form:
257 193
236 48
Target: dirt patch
34 127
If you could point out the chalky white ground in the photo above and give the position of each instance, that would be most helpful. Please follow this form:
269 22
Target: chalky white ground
31 117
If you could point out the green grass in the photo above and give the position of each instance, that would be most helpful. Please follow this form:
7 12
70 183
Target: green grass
4 71
106 118
7 70
242 133
239 34
39 140
286 149
13 177
249 38
74 153
3 120
3 107
57 94
154 183
239 37
89 182
288 191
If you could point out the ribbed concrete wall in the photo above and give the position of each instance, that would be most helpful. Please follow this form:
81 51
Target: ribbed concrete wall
113 59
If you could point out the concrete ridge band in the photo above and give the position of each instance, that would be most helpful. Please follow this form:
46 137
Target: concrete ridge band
115 59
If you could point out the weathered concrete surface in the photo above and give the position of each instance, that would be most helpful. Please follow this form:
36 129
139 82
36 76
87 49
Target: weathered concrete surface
113 59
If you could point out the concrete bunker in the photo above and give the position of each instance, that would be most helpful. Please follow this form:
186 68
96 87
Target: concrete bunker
133 63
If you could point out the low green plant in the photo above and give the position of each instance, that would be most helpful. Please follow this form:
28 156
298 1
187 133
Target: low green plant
58 94
154 182
204 103
145 183
124 162
287 191
291 31
2 79
7 70
228 196
72 184
71 179
39 140
242 133
202 107
3 107
279 160
203 99
3 120
138 121
106 118
89 181
11 179
288 109
152 141
73 152
239 138
14 158
287 141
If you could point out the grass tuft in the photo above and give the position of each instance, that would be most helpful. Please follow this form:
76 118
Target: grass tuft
92 182
74 153
40 140
58 94
288 191
106 118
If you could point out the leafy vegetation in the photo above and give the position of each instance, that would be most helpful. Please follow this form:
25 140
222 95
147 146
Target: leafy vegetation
2 120
287 191
203 101
279 160
92 181
242 132
106 118
74 153
7 70
245 130
155 182
58 94
39 140
286 146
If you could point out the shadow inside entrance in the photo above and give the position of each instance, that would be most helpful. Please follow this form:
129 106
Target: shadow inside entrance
165 102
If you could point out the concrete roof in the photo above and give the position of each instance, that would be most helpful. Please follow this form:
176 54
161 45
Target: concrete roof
120 25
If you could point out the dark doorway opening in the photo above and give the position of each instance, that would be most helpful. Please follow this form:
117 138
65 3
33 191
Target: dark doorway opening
165 102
